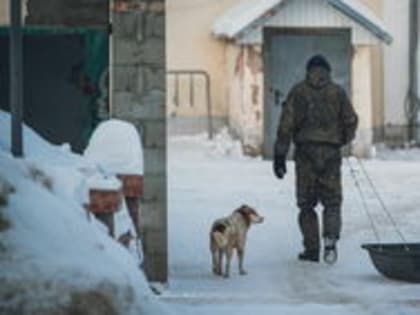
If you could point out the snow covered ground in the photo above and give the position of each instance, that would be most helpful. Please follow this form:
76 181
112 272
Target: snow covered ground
54 258
208 180
52 251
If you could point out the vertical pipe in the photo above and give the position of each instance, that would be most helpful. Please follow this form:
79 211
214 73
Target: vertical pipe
413 83
16 76
176 90
192 89
111 71
209 106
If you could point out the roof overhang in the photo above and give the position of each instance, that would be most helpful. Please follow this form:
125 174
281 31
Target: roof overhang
237 19
364 16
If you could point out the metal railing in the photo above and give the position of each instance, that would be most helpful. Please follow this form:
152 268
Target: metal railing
192 74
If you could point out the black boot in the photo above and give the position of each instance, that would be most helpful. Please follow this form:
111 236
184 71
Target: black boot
308 223
309 255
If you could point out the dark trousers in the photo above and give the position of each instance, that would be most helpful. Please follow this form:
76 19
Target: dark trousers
318 179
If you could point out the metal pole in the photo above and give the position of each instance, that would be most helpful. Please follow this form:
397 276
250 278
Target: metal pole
16 76
209 106
413 88
191 89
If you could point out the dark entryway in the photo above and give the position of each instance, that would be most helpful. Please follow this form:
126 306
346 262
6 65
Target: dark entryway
65 81
286 51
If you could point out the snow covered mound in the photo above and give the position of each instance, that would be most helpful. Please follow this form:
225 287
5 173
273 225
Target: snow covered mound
54 258
37 149
116 146
66 170
387 154
223 145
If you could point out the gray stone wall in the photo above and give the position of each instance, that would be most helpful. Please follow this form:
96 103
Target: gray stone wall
138 96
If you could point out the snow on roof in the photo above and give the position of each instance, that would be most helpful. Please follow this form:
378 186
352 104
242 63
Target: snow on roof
236 19
240 16
362 14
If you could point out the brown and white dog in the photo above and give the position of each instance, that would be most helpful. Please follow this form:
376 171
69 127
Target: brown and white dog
230 233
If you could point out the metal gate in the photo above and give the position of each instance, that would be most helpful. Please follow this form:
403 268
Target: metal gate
65 81
286 51
189 100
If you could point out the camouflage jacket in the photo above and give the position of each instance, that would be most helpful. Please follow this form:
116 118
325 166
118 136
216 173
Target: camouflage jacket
316 111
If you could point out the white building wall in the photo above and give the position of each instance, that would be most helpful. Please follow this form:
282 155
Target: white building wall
190 45
245 95
396 60
362 100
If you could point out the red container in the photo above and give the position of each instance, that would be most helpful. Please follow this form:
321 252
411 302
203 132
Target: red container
132 185
104 201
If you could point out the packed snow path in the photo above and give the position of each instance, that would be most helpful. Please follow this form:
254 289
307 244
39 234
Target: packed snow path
208 180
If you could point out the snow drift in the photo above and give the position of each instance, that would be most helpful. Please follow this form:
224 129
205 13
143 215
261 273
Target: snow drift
53 258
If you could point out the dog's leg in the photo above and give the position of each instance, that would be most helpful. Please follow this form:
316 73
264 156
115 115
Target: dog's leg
241 253
216 262
229 252
219 262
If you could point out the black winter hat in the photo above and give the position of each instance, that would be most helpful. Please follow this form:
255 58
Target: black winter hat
318 61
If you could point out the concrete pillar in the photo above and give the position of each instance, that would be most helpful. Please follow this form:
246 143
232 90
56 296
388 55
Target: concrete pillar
138 96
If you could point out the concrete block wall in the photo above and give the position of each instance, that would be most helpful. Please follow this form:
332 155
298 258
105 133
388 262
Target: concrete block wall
138 96
92 13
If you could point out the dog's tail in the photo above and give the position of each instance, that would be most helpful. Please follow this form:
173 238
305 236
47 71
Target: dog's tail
220 239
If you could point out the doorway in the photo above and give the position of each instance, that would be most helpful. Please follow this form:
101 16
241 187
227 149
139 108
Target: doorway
286 52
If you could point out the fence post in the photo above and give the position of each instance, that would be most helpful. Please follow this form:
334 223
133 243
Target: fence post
16 76
209 106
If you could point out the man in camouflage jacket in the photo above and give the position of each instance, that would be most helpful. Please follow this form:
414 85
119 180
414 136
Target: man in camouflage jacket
319 118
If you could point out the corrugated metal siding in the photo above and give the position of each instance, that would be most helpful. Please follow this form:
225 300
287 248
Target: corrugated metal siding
305 14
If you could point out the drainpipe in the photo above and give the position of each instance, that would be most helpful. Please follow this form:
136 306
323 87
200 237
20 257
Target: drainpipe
413 96
16 76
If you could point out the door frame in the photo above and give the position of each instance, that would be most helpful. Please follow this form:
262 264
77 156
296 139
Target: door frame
268 33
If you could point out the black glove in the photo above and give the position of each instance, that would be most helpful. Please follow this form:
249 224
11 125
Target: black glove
279 166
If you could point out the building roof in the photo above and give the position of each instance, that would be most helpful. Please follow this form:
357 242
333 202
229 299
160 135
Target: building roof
234 20
237 19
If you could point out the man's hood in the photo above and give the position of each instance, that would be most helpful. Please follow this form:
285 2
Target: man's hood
318 77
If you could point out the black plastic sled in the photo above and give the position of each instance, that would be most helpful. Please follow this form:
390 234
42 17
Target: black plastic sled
399 261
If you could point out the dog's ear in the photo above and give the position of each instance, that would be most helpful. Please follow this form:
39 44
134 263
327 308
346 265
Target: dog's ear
244 207
249 210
